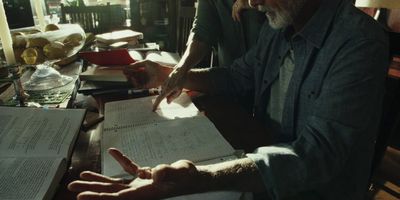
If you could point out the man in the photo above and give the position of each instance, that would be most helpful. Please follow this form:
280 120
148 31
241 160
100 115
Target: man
318 79
215 25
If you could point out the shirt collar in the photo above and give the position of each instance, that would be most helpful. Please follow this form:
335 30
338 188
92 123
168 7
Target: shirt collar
316 29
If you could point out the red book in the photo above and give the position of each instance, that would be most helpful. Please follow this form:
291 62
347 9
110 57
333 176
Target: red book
107 58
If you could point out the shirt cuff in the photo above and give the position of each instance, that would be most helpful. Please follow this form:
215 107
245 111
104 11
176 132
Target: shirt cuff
262 164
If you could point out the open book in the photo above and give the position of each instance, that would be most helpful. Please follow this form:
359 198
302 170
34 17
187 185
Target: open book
175 131
109 63
35 147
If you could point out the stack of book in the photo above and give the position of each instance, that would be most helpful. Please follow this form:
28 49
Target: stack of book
106 71
118 39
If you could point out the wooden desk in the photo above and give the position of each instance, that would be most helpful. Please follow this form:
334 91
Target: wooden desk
234 123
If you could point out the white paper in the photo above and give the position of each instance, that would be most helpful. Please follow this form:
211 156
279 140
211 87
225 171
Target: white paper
175 131
37 131
195 139
135 112
29 178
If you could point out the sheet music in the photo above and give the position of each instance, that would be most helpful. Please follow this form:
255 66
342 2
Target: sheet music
37 131
137 112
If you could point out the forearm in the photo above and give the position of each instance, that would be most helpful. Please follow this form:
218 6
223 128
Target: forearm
208 80
194 53
240 175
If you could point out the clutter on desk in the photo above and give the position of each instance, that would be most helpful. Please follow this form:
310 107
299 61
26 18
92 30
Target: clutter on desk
119 38
118 57
108 58
45 85
104 74
46 77
57 43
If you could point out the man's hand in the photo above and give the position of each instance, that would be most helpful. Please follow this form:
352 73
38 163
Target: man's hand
146 74
162 181
172 87
237 8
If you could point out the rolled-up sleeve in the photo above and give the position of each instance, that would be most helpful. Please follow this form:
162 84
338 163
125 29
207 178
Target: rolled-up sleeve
343 121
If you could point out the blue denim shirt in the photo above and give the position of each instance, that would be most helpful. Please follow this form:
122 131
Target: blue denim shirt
332 107
213 24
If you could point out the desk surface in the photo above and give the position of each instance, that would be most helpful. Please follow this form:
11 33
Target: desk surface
234 123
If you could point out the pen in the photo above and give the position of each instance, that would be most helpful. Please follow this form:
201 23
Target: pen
122 91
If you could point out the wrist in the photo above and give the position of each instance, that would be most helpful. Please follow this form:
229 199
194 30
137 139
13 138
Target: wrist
206 178
182 67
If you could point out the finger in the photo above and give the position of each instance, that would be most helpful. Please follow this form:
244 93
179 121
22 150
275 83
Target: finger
173 95
127 164
159 99
92 176
233 14
97 196
237 15
79 186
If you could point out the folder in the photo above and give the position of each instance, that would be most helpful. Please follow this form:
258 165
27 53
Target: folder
108 58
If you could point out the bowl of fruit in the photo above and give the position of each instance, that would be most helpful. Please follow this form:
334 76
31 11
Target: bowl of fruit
58 44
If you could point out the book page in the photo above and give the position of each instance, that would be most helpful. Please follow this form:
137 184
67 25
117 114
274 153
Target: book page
30 178
136 112
37 131
195 139
163 57
136 55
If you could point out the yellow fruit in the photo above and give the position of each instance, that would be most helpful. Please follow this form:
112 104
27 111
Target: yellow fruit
17 34
18 53
51 27
18 41
37 42
54 50
33 31
40 58
30 56
73 40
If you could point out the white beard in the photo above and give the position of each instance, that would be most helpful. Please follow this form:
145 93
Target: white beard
282 18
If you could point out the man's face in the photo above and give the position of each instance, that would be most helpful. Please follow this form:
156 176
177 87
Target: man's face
280 13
